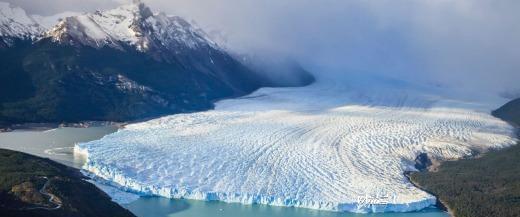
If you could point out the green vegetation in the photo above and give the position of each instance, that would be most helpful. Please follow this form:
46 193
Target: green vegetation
49 82
22 177
480 187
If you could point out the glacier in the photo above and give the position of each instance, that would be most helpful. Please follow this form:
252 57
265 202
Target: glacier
324 146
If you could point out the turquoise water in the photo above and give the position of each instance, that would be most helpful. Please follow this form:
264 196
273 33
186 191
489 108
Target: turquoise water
162 207
58 145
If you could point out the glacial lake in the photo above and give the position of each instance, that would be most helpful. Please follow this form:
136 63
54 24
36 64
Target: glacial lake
57 144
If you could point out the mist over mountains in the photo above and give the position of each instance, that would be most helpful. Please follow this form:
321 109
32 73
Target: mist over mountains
120 64
470 44
395 80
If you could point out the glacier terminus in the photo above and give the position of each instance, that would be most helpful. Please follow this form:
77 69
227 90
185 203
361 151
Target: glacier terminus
322 146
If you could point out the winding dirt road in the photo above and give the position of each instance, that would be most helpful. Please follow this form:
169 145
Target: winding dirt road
52 199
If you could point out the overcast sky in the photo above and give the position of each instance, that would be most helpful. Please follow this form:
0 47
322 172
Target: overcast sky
468 43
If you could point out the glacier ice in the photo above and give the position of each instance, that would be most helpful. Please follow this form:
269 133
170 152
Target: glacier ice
323 146
119 196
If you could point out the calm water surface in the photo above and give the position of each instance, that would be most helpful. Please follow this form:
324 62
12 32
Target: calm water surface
163 207
58 145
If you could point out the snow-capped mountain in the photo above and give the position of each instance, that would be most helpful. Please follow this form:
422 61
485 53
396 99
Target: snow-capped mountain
133 25
16 24
47 22
120 64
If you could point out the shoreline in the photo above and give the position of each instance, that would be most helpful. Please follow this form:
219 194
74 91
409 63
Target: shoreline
94 180
42 126
65 187
115 179
436 164
440 204
50 126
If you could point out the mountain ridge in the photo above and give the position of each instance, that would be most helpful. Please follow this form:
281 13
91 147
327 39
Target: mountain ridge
16 24
122 64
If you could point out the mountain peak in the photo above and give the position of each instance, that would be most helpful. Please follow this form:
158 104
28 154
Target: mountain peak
134 25
144 11
138 8
129 25
15 23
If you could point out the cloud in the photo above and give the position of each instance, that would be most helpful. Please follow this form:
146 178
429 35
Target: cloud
50 7
468 43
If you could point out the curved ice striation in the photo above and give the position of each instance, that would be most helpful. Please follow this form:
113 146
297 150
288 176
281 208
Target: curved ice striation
330 146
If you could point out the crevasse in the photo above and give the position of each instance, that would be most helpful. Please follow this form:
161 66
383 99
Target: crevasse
325 146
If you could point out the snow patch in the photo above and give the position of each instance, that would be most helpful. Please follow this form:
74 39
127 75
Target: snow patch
47 22
14 22
116 194
135 25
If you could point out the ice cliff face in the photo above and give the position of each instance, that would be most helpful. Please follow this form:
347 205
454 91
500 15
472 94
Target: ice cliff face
334 145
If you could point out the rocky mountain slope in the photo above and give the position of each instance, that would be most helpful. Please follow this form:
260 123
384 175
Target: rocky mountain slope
15 24
33 186
510 112
121 64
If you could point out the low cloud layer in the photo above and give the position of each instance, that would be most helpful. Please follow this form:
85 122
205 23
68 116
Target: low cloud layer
468 43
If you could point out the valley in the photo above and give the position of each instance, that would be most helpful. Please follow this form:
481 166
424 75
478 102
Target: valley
234 108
